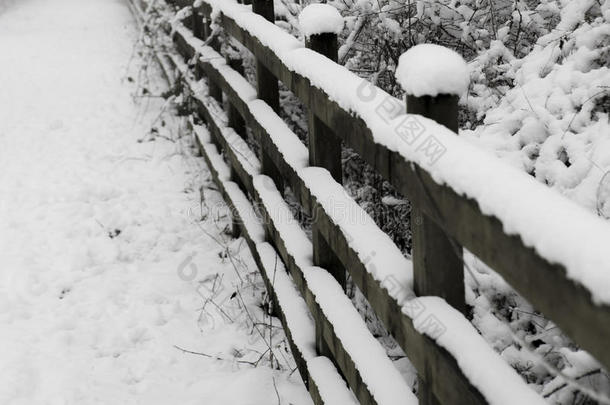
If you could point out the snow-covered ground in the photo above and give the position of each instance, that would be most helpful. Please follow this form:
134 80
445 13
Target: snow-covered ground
105 267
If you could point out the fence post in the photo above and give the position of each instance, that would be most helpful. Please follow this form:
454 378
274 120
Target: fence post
267 90
236 121
437 260
198 25
267 84
324 145
199 32
324 151
214 90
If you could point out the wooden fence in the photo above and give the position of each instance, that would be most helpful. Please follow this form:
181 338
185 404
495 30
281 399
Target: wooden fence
447 223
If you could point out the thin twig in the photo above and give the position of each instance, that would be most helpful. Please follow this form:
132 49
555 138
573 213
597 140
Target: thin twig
276 392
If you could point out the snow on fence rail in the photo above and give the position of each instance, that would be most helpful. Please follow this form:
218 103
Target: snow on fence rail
564 274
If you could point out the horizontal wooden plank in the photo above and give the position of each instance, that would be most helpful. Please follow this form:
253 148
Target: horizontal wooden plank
543 283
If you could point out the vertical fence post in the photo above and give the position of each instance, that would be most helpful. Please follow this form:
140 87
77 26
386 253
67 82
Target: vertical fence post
198 32
324 151
236 121
433 90
267 90
202 30
267 84
214 90
437 259
324 145
198 25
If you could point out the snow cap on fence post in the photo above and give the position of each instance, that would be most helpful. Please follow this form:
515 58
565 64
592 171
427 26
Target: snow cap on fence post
320 24
430 70
433 78
318 19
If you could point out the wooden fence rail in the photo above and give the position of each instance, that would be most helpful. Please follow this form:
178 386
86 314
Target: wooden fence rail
448 221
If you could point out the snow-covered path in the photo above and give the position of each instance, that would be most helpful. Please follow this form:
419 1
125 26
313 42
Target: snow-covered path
97 284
